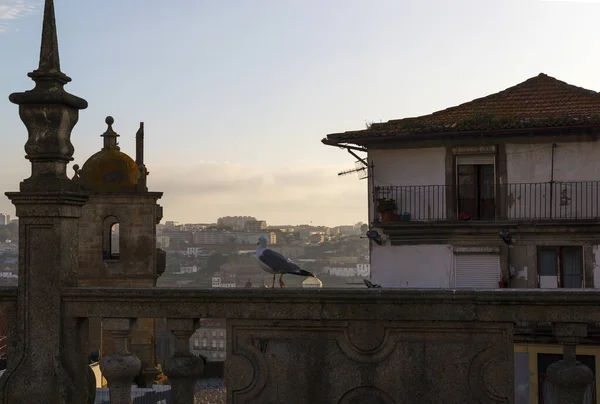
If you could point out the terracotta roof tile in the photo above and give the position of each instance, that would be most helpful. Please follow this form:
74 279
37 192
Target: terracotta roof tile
541 101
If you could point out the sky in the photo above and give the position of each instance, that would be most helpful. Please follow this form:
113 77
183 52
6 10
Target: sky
237 95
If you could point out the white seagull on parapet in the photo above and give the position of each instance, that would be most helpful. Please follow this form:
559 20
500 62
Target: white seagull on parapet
274 263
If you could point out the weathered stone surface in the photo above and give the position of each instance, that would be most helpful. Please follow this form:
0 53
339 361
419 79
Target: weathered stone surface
569 377
120 368
183 368
328 362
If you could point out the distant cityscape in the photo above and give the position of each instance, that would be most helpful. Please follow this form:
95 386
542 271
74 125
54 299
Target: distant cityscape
221 254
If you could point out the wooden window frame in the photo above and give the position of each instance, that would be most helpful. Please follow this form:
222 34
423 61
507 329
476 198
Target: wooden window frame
559 274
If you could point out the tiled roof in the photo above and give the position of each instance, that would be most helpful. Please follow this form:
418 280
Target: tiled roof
540 102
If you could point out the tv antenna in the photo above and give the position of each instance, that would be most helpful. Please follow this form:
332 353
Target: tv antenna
361 167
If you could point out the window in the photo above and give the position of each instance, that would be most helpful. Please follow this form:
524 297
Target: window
111 238
222 344
560 267
475 193
204 342
214 343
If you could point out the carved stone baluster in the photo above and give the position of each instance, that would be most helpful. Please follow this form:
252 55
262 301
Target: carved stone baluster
120 368
569 377
183 368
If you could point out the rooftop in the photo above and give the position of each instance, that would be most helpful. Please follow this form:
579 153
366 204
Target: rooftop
539 102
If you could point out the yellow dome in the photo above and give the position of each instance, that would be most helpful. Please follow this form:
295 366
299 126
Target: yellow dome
110 169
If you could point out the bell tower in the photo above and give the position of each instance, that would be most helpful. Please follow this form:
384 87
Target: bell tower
117 236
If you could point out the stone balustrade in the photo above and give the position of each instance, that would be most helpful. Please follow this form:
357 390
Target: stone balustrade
344 346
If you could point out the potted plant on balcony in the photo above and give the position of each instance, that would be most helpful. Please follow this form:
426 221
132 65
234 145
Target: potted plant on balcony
387 208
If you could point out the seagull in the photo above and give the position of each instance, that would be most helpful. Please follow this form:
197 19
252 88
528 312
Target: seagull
274 263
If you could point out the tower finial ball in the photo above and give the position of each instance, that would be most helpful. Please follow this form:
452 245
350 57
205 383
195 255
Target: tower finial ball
109 120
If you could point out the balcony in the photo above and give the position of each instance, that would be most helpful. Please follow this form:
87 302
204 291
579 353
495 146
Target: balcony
545 201
333 346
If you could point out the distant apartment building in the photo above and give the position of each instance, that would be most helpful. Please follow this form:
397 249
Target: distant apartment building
317 238
359 270
198 252
343 230
272 238
163 241
290 251
192 227
220 280
212 237
209 341
342 261
250 237
178 237
188 270
255 225
4 219
235 222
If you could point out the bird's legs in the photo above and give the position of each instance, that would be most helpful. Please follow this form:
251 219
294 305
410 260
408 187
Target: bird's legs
281 281
273 285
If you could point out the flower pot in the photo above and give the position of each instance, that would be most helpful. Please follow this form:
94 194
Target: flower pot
387 217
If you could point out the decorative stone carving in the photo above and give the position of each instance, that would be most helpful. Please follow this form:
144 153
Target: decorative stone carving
183 368
121 368
569 377
368 361
366 395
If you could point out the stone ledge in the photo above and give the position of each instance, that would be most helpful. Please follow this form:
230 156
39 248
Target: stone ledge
492 306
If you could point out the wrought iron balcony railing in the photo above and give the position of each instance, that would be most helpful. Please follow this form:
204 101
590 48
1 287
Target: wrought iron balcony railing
526 201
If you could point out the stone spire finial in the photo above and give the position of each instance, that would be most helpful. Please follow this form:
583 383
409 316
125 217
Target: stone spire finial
49 57
49 113
110 136
48 77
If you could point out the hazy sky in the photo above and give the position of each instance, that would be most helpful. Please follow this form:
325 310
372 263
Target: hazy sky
236 95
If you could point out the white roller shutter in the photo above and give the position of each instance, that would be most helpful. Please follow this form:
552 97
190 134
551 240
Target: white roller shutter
476 270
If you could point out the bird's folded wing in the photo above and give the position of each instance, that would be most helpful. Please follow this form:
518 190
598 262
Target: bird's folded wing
278 262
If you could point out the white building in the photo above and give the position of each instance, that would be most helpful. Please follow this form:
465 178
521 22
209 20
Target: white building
212 237
223 281
163 241
210 340
359 270
523 162
188 270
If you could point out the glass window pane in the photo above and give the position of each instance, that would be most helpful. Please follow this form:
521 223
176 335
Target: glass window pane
521 378
571 267
547 262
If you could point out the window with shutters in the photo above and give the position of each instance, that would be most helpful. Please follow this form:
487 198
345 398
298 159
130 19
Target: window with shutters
560 267
475 179
476 271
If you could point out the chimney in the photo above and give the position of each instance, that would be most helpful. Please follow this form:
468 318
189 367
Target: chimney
139 145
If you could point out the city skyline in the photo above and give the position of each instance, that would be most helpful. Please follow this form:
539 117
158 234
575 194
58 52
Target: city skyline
245 92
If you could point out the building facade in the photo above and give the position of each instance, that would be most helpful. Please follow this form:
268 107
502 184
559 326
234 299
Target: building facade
209 341
503 191
500 191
